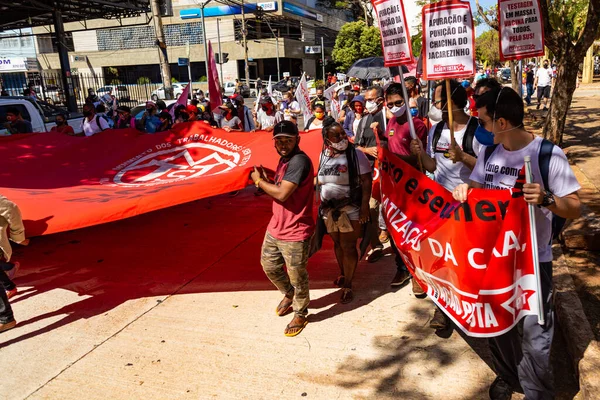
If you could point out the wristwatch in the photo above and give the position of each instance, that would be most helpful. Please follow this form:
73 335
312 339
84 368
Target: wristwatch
548 199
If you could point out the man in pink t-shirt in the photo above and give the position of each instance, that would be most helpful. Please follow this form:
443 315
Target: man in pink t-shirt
288 233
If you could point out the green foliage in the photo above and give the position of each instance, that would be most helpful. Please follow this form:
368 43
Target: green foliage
487 47
355 41
203 79
116 82
142 80
174 80
568 16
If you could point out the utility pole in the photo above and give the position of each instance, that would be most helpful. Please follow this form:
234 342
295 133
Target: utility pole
204 3
162 49
323 58
276 48
190 70
220 53
245 44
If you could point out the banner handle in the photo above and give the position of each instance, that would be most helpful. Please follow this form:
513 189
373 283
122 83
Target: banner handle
411 124
450 108
534 247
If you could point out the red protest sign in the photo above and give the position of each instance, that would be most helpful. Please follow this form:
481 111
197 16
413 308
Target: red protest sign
395 38
521 29
473 259
448 40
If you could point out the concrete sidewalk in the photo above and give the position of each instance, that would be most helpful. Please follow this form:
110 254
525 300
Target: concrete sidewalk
196 320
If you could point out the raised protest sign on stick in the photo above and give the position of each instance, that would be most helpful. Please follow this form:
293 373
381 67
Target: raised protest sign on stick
303 98
521 29
473 259
395 39
448 40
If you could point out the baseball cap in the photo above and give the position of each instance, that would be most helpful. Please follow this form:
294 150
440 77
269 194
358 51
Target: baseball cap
285 128
227 106
192 109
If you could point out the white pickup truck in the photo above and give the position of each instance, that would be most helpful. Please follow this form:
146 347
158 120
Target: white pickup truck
40 114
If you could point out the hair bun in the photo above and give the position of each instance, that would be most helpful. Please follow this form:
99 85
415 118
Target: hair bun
328 121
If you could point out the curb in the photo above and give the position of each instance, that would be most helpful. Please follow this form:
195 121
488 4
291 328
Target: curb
581 343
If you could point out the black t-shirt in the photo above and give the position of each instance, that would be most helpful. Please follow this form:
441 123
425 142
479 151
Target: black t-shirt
21 126
423 106
298 168
529 78
365 137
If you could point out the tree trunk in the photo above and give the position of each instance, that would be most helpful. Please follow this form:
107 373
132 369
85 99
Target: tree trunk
562 94
515 77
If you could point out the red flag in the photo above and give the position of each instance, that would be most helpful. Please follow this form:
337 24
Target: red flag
182 100
214 86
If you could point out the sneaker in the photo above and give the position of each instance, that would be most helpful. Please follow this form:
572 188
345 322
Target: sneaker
375 255
384 236
8 325
440 321
11 293
12 272
418 290
400 278
500 390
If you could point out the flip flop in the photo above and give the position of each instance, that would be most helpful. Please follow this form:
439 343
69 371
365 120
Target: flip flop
299 327
339 281
282 309
347 296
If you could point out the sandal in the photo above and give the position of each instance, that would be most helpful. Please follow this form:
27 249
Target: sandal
293 330
347 296
284 307
339 281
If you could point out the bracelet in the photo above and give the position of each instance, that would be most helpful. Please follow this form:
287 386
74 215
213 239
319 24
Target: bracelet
257 182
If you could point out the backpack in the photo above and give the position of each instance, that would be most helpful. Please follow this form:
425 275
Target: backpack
467 141
544 156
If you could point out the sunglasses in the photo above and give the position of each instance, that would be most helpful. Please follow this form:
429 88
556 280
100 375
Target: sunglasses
398 103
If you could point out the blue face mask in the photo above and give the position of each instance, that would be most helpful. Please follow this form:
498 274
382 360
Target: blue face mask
414 112
484 136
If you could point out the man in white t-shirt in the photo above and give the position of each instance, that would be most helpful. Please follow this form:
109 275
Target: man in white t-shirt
543 82
522 355
450 162
92 123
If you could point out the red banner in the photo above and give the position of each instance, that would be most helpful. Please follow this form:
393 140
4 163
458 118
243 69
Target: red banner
62 182
474 259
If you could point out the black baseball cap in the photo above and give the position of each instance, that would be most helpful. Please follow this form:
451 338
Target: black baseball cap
285 128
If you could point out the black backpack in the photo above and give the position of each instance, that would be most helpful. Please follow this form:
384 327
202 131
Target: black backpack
467 141
544 156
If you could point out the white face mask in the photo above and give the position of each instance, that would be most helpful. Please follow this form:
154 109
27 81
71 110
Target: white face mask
435 114
371 106
398 111
340 146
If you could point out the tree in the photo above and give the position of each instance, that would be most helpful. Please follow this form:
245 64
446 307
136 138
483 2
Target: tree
360 9
355 41
487 47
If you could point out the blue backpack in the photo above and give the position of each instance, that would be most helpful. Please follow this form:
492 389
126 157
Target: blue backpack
544 156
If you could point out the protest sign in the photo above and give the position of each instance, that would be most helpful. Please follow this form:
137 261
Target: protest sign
473 259
395 38
521 29
303 98
448 40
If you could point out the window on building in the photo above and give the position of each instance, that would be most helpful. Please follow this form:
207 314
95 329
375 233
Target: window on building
48 43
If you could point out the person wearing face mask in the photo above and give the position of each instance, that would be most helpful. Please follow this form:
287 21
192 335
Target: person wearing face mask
150 121
92 123
15 123
316 121
354 115
288 234
243 113
344 182
62 126
450 164
346 107
290 108
414 92
484 85
521 356
230 121
124 118
543 82
319 99
266 118
166 121
398 142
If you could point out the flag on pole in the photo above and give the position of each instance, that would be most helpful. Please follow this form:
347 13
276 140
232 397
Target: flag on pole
214 86
330 91
303 98
182 100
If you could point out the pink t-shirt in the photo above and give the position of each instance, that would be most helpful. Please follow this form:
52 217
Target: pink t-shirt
398 135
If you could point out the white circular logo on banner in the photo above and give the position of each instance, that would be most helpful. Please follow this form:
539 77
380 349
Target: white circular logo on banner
172 163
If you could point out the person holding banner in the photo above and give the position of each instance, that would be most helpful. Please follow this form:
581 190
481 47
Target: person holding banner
344 183
266 118
292 225
521 356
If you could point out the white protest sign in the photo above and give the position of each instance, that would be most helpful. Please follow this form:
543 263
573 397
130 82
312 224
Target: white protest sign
341 77
303 98
328 93
395 38
522 29
448 40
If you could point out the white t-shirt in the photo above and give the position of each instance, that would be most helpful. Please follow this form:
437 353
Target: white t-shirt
334 177
544 77
265 121
90 128
316 124
447 173
293 106
355 125
501 172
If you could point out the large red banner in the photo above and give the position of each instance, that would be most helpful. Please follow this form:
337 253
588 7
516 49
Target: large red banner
474 259
62 182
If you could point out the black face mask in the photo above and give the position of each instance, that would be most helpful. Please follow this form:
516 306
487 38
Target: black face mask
87 113
545 65
320 97
59 122
149 110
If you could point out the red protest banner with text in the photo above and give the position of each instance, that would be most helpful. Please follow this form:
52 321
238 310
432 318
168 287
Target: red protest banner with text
448 40
521 29
395 37
62 182
473 259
